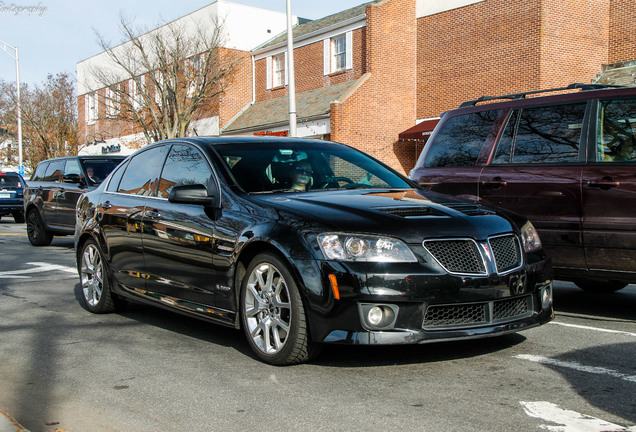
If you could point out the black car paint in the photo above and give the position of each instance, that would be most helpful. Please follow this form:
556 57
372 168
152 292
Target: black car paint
211 257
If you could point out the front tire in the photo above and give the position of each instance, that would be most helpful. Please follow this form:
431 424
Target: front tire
38 235
94 280
272 313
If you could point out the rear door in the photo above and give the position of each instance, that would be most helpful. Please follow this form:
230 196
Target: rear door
535 171
120 212
609 188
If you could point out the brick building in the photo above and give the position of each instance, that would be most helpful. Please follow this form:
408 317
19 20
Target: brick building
367 74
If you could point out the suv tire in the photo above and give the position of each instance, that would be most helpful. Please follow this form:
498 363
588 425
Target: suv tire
38 235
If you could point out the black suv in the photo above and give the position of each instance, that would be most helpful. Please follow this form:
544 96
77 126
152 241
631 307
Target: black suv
11 196
52 193
566 161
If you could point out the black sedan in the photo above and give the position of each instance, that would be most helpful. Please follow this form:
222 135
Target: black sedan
305 242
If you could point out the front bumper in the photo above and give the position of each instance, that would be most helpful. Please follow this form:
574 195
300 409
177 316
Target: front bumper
425 304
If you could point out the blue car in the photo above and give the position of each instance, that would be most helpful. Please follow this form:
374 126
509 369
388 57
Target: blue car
12 196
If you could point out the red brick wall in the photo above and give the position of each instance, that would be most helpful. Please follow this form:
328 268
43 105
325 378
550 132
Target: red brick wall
498 47
384 105
622 44
308 65
490 47
574 41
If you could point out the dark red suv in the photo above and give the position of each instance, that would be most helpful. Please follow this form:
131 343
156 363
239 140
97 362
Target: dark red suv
567 161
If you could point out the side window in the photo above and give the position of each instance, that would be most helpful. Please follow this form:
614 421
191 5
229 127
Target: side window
54 171
616 131
184 166
113 185
38 175
548 134
460 140
142 174
72 167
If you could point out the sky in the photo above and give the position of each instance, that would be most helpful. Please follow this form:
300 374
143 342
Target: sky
54 35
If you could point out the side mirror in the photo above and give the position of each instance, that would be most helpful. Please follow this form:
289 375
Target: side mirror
71 178
191 194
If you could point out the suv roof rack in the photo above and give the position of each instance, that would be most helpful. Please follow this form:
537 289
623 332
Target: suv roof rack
522 95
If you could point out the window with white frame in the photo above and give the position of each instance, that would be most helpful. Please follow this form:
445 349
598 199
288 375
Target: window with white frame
91 107
136 86
338 53
276 75
278 66
112 103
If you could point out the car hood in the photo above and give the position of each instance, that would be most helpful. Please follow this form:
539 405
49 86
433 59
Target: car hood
410 214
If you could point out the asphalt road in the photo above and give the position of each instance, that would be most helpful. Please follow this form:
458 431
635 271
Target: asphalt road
65 369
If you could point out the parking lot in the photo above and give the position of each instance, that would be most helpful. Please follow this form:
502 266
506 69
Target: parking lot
65 369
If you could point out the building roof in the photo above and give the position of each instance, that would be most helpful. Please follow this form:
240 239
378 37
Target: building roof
309 27
618 74
309 105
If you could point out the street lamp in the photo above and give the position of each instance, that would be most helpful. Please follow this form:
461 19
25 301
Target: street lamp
6 47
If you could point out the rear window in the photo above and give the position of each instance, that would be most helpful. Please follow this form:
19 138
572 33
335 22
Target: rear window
460 140
12 181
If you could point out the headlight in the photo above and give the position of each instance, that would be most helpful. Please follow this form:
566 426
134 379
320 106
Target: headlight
354 247
530 238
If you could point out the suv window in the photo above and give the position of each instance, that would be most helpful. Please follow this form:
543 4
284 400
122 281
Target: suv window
142 173
547 134
616 131
461 139
38 175
54 171
98 169
184 166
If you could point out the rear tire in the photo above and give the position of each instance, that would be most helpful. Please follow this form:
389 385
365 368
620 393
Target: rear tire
600 286
94 280
272 313
38 235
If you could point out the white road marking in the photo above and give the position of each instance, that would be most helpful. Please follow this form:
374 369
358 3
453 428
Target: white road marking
40 267
569 421
577 366
593 328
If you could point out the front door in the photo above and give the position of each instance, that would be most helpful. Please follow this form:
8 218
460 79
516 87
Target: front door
536 171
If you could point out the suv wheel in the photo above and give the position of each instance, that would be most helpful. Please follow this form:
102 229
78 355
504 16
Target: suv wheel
600 286
38 235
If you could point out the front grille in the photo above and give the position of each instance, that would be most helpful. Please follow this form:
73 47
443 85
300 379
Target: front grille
439 317
506 251
457 256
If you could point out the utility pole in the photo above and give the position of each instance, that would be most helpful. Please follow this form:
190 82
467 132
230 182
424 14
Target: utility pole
290 68
15 56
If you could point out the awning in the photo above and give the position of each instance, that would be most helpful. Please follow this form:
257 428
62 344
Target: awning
420 131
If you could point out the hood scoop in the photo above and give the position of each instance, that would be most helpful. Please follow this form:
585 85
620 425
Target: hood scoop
411 212
469 209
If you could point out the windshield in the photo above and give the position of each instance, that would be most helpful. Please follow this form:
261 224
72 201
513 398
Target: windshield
297 166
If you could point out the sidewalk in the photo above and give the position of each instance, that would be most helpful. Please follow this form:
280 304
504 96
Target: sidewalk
8 424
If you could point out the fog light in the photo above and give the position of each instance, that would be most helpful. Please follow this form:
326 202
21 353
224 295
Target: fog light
375 315
546 295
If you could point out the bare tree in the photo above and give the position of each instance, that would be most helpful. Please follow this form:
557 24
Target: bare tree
49 117
164 78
